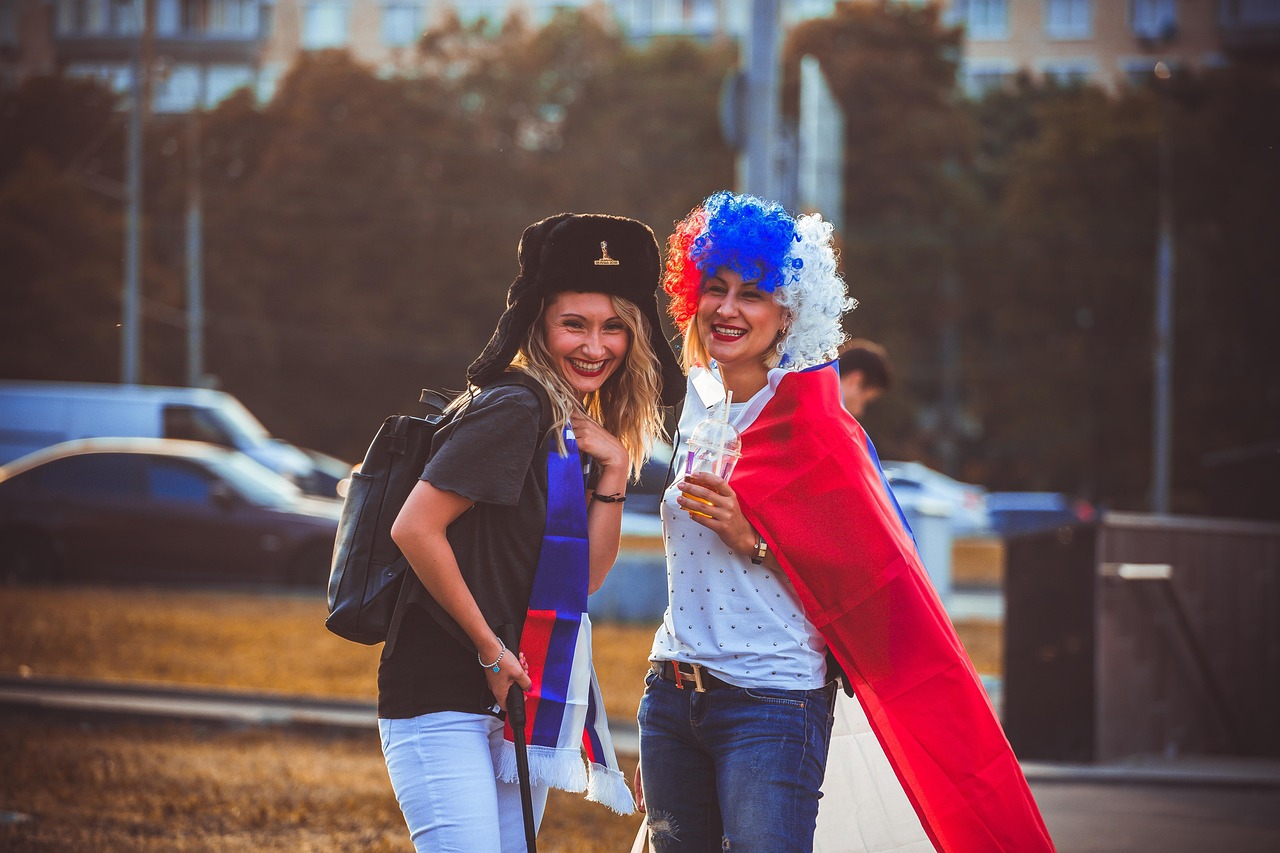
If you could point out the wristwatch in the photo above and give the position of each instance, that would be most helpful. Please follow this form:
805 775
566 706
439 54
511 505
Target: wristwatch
761 550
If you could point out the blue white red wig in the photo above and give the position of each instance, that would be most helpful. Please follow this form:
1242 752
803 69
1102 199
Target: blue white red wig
790 257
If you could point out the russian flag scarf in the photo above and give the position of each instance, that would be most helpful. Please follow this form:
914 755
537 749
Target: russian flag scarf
565 710
810 482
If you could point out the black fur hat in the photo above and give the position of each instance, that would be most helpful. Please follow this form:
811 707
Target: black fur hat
584 253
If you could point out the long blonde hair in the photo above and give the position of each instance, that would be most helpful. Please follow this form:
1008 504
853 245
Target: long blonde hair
628 404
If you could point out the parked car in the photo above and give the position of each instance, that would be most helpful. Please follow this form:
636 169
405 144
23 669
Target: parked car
39 414
329 477
915 484
158 510
1013 513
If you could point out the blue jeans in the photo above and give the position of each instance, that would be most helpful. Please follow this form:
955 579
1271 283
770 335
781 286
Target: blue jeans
733 768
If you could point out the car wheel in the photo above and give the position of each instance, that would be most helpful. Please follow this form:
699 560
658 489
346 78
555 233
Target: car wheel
28 556
310 566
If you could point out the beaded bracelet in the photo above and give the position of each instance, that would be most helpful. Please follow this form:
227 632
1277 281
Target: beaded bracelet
493 666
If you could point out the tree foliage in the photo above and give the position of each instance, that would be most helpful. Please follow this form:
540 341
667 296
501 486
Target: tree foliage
909 193
360 233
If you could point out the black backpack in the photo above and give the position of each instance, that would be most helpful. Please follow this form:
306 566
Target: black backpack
368 569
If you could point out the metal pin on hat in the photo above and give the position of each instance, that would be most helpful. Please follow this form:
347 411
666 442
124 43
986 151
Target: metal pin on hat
605 260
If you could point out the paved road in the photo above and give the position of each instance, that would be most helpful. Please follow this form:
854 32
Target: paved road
1175 818
1219 805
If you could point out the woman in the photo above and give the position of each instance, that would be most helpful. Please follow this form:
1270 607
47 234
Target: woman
796 569
507 539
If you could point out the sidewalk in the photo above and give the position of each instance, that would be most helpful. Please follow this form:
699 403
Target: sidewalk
83 698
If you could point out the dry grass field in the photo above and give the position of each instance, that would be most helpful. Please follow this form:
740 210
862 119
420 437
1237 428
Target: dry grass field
174 787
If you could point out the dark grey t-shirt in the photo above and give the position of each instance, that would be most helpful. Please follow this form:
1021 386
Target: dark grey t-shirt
495 455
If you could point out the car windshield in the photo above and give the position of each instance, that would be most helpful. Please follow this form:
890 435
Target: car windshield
259 485
240 423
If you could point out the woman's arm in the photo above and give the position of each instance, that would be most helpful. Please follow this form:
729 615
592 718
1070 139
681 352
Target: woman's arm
604 519
420 532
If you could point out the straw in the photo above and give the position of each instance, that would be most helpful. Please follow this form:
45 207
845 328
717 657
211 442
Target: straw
728 401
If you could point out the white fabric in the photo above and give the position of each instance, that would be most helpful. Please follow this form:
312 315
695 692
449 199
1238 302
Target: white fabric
442 769
743 622
863 807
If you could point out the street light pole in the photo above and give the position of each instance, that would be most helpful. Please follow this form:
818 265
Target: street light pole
761 59
140 92
195 255
1162 408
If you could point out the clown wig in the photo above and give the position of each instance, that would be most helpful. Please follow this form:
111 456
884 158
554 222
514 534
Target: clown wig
791 258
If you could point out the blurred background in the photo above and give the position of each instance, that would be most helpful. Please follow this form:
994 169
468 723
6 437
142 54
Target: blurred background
236 234
321 211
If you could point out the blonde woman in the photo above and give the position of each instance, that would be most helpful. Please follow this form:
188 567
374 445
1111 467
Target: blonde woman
515 520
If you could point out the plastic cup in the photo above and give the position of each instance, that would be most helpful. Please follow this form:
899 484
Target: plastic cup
715 448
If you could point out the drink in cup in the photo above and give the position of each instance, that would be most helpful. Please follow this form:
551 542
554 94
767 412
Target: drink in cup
714 447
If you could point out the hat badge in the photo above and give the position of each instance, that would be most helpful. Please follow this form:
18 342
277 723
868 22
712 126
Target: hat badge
604 260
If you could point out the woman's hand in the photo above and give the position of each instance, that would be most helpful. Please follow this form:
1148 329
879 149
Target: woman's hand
598 443
512 669
639 786
713 504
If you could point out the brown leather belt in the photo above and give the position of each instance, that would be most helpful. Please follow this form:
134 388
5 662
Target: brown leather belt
686 675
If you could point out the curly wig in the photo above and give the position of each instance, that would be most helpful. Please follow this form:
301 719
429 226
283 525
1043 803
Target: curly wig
790 257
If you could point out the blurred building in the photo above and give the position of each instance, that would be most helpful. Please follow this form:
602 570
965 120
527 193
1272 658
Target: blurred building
1108 43
204 49
200 50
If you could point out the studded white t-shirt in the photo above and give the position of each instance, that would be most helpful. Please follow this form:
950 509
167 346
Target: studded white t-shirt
742 621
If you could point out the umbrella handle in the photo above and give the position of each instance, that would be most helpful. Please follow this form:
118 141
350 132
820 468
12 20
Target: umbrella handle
517 718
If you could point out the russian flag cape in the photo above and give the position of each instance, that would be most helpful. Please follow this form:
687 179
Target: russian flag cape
810 482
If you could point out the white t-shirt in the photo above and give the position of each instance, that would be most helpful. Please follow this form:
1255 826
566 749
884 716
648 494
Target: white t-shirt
743 622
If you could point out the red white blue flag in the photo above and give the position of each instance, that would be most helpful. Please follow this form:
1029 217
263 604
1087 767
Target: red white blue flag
810 482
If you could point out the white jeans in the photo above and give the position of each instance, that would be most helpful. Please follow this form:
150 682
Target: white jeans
442 768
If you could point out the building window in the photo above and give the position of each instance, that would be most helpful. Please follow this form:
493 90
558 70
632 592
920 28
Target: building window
8 22
983 20
401 24
178 91
168 17
82 17
324 24
117 77
122 17
233 18
1250 13
1068 19
470 11
1154 19
222 80
1068 73
982 76
1140 71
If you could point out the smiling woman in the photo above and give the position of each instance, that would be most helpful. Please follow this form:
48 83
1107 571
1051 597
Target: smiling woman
799 575
516 518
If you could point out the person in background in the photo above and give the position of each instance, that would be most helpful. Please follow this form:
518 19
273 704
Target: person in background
515 520
865 374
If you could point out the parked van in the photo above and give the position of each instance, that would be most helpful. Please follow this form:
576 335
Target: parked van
37 414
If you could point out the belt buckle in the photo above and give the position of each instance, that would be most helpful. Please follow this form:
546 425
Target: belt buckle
697 677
